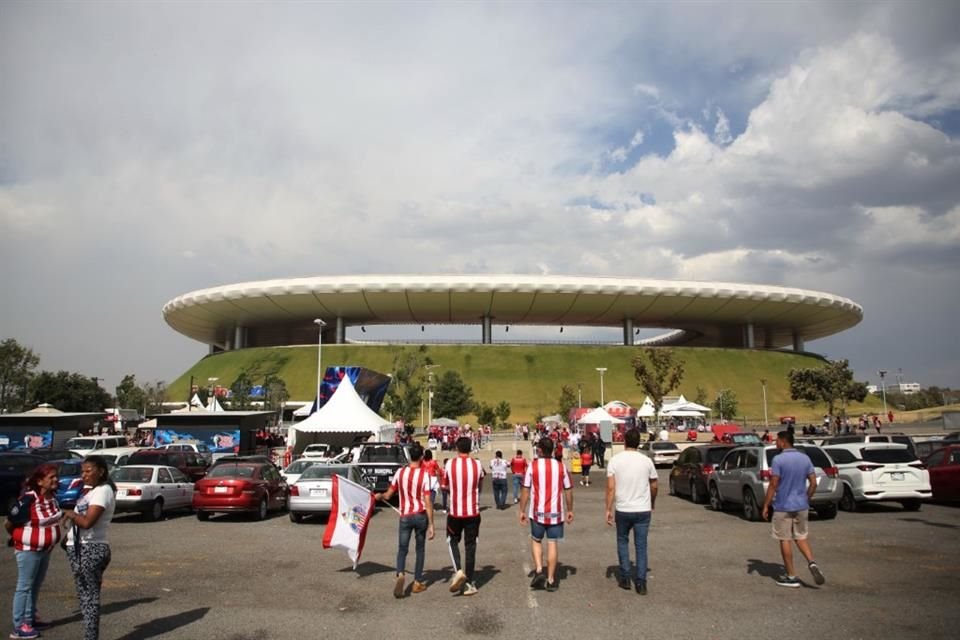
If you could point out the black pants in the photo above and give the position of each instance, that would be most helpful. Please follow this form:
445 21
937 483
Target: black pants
88 566
469 528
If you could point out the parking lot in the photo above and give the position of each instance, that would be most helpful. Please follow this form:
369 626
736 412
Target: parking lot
890 574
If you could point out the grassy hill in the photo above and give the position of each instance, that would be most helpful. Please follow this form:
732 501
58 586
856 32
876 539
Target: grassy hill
530 377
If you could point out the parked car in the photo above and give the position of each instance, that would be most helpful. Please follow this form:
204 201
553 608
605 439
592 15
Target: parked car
899 438
312 493
119 456
293 470
54 454
662 453
191 464
152 489
880 472
742 478
70 483
692 469
254 487
379 461
925 448
317 450
944 468
86 445
232 459
197 447
14 469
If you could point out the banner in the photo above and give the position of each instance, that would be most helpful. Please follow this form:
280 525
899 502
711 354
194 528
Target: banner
351 511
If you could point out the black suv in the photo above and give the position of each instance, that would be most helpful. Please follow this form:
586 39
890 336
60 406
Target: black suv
379 461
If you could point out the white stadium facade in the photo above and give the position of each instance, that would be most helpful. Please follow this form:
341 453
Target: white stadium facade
707 314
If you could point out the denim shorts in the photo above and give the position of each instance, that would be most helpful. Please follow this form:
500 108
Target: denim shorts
551 531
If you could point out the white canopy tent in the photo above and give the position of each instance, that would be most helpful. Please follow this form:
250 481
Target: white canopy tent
647 409
341 421
598 415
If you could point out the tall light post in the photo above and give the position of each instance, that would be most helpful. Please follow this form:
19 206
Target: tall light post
320 325
763 386
211 398
579 395
602 370
430 368
883 390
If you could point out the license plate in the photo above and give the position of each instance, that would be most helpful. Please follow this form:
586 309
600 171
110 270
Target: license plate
896 475
121 493
318 492
221 489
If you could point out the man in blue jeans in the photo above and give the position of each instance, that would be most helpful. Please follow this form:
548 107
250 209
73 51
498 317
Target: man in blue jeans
631 496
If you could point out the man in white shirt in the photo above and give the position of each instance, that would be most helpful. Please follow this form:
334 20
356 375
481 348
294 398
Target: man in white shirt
631 496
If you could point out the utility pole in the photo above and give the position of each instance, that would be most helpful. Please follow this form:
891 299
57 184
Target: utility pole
763 384
883 390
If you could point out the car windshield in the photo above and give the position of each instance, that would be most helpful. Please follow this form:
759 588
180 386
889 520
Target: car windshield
231 471
202 448
381 454
148 458
112 459
319 471
132 474
68 469
886 456
81 443
298 466
665 446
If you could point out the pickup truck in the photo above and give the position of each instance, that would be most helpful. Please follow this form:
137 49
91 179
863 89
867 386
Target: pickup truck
379 461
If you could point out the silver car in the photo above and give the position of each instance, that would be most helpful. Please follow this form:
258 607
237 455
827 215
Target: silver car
313 491
742 477
152 489
661 452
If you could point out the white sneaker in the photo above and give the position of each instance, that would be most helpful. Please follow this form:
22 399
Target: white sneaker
458 579
470 589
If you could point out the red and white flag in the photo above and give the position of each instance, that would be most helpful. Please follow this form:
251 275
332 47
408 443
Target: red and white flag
351 511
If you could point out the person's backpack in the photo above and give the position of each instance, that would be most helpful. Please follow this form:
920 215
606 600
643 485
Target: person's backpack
20 511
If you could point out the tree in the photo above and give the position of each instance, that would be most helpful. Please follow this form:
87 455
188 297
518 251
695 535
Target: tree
240 389
452 397
701 397
503 411
16 370
658 371
155 394
274 392
129 394
829 385
725 405
405 393
568 400
485 413
69 392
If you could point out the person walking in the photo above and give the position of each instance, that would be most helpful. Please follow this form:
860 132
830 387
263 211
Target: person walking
34 527
793 482
630 499
463 475
88 545
548 492
586 461
518 466
498 472
432 467
599 450
412 484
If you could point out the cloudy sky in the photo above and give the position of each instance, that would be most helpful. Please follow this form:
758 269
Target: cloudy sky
150 149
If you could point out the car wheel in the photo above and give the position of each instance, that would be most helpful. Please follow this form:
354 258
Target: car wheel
715 502
203 516
295 517
695 496
911 505
847 503
673 486
751 511
827 511
156 510
261 513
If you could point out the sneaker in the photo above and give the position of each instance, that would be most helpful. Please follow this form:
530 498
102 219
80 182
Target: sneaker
398 587
641 588
552 586
538 580
623 583
458 579
24 631
816 573
40 625
419 587
470 589
784 580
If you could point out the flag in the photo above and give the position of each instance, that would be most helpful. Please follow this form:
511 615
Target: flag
347 527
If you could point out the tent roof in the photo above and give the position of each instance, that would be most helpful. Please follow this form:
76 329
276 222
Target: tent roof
598 415
344 412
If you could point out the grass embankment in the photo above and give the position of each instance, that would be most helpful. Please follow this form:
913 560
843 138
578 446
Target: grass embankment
530 377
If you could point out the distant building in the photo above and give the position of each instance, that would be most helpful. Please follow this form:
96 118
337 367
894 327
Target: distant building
903 388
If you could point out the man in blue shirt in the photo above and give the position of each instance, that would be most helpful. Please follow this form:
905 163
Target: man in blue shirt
793 482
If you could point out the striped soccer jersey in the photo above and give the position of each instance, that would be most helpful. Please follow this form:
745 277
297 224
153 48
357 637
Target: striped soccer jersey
546 478
410 484
42 530
463 476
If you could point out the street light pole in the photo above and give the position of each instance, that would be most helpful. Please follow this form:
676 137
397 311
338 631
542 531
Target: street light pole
320 325
579 395
430 368
602 370
211 405
883 390
763 384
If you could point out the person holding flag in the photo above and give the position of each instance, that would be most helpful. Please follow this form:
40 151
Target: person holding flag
463 475
548 491
412 484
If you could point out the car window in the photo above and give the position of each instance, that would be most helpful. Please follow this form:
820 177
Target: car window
381 454
886 456
936 458
841 456
132 474
65 469
179 476
164 476
231 471
716 455
323 471
298 466
665 446
203 448
80 443
730 462
750 459
955 456
148 458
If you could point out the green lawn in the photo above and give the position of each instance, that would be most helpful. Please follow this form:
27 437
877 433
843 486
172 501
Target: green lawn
529 377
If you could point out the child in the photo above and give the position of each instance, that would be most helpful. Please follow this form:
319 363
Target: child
586 460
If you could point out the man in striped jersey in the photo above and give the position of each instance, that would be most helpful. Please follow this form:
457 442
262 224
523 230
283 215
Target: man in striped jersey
462 476
412 484
549 492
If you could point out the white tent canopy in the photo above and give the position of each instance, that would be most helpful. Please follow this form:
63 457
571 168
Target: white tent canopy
598 415
339 422
647 409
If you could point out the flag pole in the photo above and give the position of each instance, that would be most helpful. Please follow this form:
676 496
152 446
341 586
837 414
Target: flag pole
389 505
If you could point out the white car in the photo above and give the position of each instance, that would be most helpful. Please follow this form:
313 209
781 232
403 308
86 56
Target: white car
118 456
87 445
152 489
880 472
313 492
293 470
315 451
662 453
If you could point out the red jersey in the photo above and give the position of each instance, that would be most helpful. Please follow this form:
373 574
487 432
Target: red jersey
42 530
586 458
463 475
410 484
518 465
547 478
432 467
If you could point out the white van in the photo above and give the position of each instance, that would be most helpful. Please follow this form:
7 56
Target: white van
85 445
117 456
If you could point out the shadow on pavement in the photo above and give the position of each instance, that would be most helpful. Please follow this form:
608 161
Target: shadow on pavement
107 609
766 569
365 569
941 525
163 625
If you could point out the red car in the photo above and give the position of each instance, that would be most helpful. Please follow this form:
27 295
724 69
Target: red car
252 487
944 467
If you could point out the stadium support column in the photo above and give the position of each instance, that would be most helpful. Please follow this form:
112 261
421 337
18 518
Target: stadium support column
341 336
239 337
797 341
748 340
487 330
628 332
